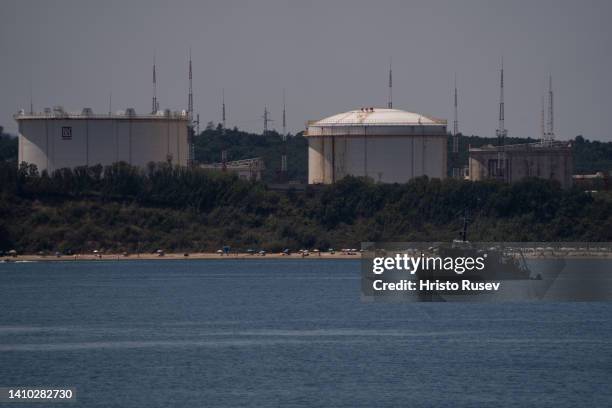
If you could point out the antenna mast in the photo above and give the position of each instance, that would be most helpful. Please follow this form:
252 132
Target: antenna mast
190 96
223 106
455 122
154 104
390 101
284 136
194 124
224 151
542 122
31 98
501 130
550 132
266 118
284 117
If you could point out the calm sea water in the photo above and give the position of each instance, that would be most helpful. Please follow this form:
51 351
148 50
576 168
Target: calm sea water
287 333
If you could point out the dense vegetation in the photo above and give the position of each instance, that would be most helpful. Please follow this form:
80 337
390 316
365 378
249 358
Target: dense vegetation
121 208
242 145
8 146
592 156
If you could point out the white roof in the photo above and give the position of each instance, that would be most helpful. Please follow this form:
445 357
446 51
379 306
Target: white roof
377 116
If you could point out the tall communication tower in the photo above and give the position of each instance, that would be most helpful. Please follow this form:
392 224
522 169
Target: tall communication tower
284 136
154 104
284 117
455 122
223 118
542 122
266 118
190 96
224 151
501 131
550 128
194 124
390 100
31 97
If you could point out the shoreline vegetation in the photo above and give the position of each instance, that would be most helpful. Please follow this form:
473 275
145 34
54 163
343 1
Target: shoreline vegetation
121 208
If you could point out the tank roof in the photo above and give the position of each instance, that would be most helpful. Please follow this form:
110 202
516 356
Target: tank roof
87 113
521 147
377 117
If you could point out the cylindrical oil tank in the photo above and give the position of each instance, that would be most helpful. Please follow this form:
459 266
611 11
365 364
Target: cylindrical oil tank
385 145
57 139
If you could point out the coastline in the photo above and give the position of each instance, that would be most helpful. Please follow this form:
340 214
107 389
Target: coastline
247 256
175 256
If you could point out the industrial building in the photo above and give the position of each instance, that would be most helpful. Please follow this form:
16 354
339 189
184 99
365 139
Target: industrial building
510 163
57 139
246 169
384 144
547 159
599 181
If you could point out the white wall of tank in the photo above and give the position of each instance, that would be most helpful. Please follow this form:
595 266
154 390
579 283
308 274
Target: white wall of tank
56 141
388 159
386 145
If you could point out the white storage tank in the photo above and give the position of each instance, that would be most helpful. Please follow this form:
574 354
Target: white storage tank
57 139
386 145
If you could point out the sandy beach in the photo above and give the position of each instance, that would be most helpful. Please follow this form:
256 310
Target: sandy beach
253 256
175 256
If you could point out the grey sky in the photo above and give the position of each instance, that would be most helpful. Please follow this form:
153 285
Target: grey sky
331 56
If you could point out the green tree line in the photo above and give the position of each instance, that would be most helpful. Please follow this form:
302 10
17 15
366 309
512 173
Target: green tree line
243 145
8 147
122 208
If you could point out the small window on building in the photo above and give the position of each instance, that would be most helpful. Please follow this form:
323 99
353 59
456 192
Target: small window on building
66 132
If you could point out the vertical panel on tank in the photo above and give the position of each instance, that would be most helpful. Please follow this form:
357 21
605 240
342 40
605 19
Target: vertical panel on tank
328 159
340 157
33 143
177 132
142 150
123 129
315 160
102 149
158 140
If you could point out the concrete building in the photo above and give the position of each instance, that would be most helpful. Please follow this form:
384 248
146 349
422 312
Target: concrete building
550 160
386 145
599 181
56 139
246 169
